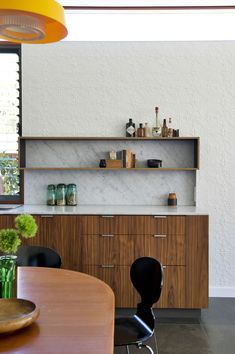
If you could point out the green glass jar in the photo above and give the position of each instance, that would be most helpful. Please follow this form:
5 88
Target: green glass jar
71 196
61 194
51 195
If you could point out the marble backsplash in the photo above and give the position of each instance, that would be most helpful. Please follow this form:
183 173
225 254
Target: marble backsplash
88 153
149 187
115 187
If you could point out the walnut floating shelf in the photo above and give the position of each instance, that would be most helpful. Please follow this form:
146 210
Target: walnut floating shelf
107 169
103 138
177 152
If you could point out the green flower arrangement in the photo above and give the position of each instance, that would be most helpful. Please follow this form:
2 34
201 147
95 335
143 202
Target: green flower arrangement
10 238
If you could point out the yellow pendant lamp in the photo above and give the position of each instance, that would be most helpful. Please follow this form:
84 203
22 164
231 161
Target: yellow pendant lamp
32 21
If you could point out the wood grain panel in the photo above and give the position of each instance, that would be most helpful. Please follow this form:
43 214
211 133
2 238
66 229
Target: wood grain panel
176 225
173 291
168 249
87 225
197 261
114 224
60 233
67 241
158 224
108 249
7 221
140 225
76 314
118 278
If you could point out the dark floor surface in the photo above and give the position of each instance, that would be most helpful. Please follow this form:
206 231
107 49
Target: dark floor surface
212 333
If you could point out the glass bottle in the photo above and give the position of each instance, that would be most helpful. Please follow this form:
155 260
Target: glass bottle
164 129
61 194
140 131
156 131
147 130
170 129
130 128
71 195
51 195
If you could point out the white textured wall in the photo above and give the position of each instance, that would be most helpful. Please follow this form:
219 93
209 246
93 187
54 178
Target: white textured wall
92 88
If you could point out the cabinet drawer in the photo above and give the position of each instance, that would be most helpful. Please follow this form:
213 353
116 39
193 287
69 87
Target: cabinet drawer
173 291
113 224
157 224
146 225
87 225
118 278
108 249
168 249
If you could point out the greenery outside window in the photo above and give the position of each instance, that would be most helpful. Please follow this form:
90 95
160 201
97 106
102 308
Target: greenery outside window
10 123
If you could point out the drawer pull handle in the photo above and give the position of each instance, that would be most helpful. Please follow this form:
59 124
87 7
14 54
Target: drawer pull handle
47 216
107 216
163 267
107 266
159 216
106 235
159 236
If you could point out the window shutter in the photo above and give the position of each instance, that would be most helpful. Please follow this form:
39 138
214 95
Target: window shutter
9 123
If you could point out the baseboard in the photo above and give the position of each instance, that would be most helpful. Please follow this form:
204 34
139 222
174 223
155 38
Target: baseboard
221 292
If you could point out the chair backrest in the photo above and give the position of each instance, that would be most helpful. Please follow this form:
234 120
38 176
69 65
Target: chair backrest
147 276
38 256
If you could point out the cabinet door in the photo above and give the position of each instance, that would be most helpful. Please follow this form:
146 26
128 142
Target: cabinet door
173 291
61 234
118 278
176 225
7 221
168 249
197 261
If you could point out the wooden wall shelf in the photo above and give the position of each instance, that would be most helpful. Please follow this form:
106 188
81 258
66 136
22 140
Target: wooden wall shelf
104 138
105 169
194 143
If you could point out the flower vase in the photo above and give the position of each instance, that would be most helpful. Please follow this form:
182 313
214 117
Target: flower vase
8 276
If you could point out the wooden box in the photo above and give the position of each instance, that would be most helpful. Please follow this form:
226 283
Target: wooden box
114 164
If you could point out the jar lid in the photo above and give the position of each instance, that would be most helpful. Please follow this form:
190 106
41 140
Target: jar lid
51 186
61 185
72 185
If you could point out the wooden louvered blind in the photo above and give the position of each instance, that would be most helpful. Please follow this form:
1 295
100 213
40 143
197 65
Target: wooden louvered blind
9 124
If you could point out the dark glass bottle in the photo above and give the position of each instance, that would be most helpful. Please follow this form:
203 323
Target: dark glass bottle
130 129
141 131
164 129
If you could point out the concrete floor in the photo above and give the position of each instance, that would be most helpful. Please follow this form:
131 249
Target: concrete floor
213 333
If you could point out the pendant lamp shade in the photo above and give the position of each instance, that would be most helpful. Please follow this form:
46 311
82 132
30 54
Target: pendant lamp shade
32 21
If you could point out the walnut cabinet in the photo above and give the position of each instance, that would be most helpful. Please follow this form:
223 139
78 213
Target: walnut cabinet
105 246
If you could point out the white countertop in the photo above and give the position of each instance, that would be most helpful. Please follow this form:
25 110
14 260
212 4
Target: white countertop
103 210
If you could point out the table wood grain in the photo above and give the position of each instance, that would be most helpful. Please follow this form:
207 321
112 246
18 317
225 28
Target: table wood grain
76 314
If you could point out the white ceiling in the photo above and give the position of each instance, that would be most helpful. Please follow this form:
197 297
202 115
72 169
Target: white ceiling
146 2
146 25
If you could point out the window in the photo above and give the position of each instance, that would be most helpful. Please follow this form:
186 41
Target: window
10 123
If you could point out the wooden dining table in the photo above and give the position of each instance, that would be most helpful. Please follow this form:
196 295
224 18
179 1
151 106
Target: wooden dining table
76 314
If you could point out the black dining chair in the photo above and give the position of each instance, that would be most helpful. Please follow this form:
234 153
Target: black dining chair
147 277
38 256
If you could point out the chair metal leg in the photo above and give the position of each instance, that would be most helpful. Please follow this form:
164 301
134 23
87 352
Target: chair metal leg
147 347
155 341
127 349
